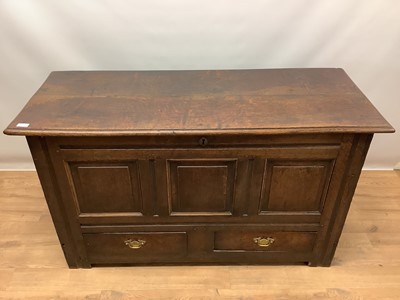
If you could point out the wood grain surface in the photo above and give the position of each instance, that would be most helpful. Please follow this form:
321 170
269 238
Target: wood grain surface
98 103
366 264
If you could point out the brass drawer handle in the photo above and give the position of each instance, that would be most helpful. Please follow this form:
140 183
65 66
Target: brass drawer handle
135 244
264 242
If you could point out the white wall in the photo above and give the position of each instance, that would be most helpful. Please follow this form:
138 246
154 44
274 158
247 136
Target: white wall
39 36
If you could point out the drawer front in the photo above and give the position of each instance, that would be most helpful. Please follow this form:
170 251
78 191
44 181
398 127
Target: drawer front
135 247
264 241
217 243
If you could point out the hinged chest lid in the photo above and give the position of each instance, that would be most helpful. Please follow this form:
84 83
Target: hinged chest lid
112 103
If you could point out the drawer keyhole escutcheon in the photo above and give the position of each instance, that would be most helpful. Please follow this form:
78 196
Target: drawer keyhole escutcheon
203 141
264 242
135 244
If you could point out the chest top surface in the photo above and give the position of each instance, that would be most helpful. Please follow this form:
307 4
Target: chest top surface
108 103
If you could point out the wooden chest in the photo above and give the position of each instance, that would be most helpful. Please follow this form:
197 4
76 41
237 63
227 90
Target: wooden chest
183 167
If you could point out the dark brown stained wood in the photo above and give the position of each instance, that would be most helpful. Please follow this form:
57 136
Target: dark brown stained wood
315 152
113 248
333 198
296 188
199 227
106 187
202 186
295 185
45 172
192 141
160 186
204 218
192 167
199 244
147 187
221 182
359 152
242 187
115 103
282 241
67 228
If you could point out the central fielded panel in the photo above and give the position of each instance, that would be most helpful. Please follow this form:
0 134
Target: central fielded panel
232 166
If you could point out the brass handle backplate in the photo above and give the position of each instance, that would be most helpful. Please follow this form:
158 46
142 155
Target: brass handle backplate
264 242
135 244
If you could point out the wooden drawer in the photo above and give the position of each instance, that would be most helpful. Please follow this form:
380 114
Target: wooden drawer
264 241
219 244
135 247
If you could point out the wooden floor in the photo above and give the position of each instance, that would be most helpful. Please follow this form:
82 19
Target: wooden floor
366 265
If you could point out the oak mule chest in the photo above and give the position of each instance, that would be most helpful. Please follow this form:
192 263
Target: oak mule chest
183 167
